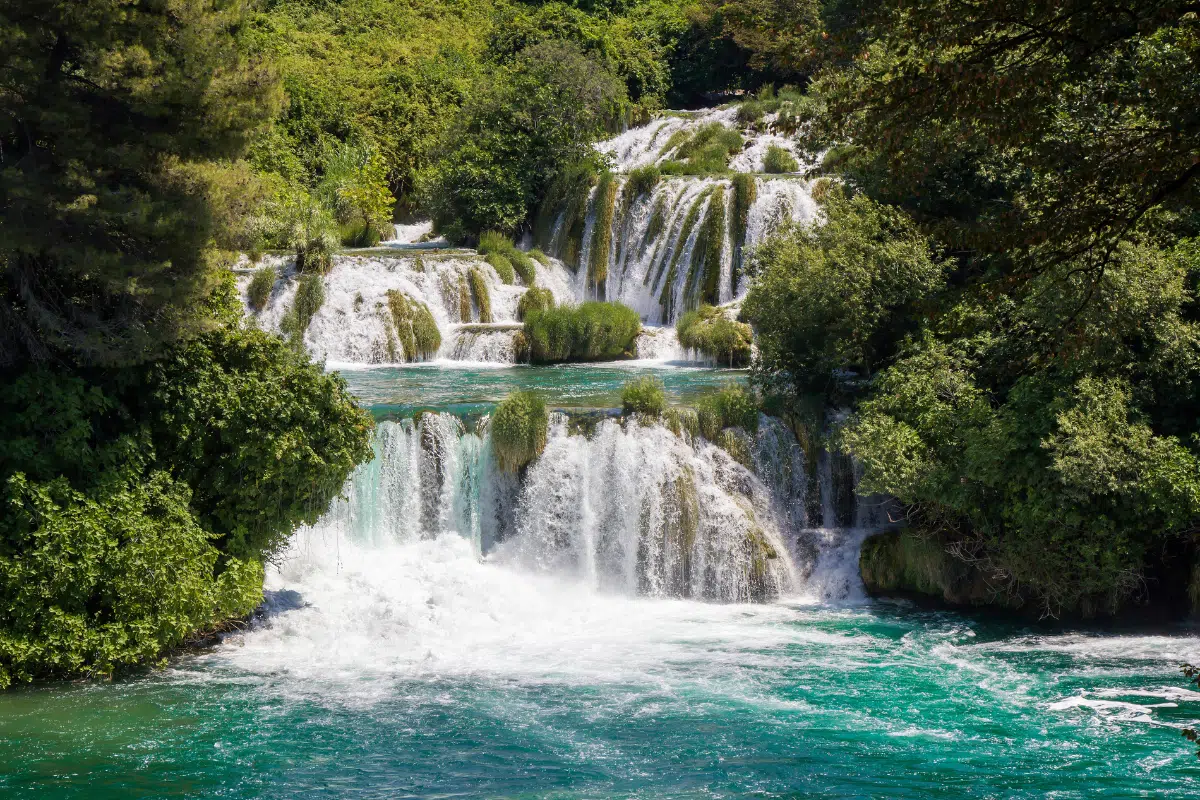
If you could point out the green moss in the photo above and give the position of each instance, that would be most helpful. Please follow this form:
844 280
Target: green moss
519 429
540 257
569 196
259 291
709 331
736 442
416 329
779 161
503 267
606 200
706 255
590 332
418 264
479 295
645 395
535 299
745 191
464 299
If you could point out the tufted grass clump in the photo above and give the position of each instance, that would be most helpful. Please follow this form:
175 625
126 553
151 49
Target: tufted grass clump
710 332
779 161
259 291
480 295
310 296
416 329
496 245
592 331
707 152
645 395
535 299
731 406
503 267
519 429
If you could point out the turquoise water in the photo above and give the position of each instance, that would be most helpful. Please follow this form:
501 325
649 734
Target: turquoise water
418 670
470 389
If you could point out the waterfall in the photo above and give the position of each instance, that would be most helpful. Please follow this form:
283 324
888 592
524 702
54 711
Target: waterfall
625 507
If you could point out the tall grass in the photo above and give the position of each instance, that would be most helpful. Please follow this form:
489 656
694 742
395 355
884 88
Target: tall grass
709 331
259 291
590 332
519 428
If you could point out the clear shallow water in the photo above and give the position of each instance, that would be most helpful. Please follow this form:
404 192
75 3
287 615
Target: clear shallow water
418 670
466 388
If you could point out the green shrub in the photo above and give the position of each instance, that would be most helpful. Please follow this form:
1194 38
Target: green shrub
480 296
589 332
503 267
535 299
259 291
416 328
95 584
519 429
731 406
779 161
239 402
645 395
709 331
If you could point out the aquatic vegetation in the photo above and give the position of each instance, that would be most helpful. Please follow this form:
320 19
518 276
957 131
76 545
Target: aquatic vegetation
503 267
711 332
494 244
645 395
415 326
779 161
519 428
310 296
593 331
745 191
535 299
731 406
259 290
480 295
606 200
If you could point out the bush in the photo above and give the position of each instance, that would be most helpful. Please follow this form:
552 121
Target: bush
645 395
259 291
503 267
416 329
731 406
779 161
92 585
589 332
709 331
534 299
519 429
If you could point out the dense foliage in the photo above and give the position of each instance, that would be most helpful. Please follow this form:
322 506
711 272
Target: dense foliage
154 453
1004 292
710 331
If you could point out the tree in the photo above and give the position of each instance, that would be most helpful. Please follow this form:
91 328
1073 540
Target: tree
518 131
114 114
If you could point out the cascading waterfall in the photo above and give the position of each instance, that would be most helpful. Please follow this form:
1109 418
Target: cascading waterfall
627 507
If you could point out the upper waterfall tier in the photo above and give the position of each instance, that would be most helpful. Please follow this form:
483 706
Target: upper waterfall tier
663 235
